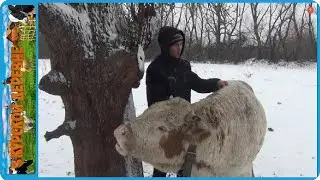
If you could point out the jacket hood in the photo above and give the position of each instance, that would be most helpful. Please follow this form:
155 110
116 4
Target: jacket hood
166 34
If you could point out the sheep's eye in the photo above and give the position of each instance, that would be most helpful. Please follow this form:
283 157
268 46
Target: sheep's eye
162 128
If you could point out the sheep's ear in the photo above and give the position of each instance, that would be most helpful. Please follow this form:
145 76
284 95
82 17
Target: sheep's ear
194 133
191 117
188 121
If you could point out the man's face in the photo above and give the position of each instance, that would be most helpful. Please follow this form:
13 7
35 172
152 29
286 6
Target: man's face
175 49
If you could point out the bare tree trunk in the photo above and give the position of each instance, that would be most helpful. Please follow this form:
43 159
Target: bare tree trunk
193 14
313 49
282 29
217 34
180 15
202 25
218 9
256 23
240 34
299 32
94 81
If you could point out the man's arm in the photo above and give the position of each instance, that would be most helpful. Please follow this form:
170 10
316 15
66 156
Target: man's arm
201 85
156 86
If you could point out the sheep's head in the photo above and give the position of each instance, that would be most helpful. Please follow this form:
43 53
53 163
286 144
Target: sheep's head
162 134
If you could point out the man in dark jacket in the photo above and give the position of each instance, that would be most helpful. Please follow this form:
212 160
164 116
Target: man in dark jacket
170 76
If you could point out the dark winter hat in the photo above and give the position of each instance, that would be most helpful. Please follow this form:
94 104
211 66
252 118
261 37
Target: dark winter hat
175 38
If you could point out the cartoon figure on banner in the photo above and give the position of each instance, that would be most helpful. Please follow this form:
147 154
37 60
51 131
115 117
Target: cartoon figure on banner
21 24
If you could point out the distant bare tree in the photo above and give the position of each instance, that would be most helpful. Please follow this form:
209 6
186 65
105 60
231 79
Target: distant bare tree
313 44
257 19
282 29
220 31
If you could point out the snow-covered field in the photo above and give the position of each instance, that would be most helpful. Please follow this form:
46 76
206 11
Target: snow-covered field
288 94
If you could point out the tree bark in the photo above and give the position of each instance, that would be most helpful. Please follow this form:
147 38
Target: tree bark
94 81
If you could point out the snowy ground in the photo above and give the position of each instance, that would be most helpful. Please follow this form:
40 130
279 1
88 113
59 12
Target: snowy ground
288 95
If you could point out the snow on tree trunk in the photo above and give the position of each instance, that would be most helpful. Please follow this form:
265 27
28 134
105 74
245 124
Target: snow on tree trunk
133 166
94 75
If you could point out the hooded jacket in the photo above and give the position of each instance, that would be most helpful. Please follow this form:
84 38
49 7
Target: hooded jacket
167 76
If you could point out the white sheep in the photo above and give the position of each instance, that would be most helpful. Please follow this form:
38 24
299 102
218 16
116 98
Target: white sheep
227 129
